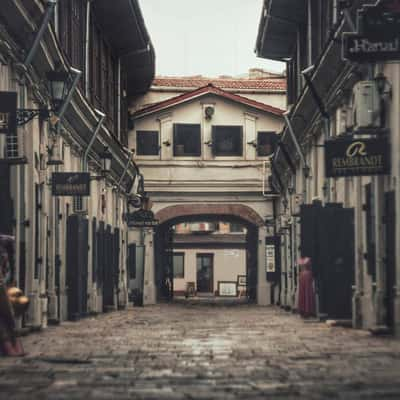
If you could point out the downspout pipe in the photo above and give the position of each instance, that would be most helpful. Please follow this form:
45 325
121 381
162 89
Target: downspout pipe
126 169
51 4
77 75
322 110
289 125
87 42
93 138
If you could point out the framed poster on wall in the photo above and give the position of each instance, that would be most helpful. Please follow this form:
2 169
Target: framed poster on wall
227 289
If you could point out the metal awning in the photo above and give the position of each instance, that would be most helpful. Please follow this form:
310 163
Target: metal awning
278 28
123 23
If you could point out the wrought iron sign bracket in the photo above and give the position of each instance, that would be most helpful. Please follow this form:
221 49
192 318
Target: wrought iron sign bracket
24 115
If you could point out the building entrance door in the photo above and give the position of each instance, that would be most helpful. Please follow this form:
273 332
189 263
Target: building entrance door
205 273
327 236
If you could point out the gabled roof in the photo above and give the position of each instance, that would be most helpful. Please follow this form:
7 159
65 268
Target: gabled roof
206 90
271 84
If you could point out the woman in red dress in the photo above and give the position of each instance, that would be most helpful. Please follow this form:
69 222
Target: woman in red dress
306 289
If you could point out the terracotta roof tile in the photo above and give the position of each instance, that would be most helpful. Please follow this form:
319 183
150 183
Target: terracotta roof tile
209 89
270 84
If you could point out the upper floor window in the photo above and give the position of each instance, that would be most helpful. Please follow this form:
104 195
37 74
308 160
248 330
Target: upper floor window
147 143
187 140
227 140
266 143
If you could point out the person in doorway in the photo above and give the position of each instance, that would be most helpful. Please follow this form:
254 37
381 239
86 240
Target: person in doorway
10 345
306 289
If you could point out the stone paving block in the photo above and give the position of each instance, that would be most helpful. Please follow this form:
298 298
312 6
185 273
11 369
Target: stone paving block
200 352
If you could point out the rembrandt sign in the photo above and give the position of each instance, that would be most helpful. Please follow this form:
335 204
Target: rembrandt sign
70 184
356 157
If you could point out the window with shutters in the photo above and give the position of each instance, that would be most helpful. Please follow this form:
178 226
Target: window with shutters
72 32
266 143
147 143
227 140
187 140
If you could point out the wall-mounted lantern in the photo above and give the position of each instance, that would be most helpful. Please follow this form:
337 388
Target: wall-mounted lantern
106 159
59 87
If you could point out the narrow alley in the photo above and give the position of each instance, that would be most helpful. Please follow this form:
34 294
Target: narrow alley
194 351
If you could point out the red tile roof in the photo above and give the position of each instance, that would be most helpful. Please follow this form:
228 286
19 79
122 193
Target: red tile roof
209 89
277 84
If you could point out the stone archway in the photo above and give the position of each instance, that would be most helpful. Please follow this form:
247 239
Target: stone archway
187 210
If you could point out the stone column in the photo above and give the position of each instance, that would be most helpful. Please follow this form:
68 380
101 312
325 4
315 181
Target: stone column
149 291
358 289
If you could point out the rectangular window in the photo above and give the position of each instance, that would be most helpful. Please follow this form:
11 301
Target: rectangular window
187 140
227 140
147 143
266 143
131 261
178 262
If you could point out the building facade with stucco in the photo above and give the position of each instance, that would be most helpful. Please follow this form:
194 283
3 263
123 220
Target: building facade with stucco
204 155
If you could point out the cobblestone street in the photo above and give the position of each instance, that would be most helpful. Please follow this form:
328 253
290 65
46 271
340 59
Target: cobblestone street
202 352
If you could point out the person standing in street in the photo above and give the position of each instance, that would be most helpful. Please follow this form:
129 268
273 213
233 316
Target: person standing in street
306 289
10 345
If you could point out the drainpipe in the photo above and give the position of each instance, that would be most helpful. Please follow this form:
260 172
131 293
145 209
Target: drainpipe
51 4
289 125
125 169
324 113
93 138
87 41
68 99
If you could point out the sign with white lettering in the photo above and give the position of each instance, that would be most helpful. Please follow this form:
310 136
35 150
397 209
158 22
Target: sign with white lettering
141 219
362 49
357 157
270 257
8 113
70 184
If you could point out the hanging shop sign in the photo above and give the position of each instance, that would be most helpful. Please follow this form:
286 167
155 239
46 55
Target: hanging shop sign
70 184
270 257
357 157
359 48
380 21
141 219
8 113
378 34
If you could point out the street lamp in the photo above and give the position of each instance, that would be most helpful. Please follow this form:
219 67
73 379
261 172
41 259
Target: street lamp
58 87
58 84
106 158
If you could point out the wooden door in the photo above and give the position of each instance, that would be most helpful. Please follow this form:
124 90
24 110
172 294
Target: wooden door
205 273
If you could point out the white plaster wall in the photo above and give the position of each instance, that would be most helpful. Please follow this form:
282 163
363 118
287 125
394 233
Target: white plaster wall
228 264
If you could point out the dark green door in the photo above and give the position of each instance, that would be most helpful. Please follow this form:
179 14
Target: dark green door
390 262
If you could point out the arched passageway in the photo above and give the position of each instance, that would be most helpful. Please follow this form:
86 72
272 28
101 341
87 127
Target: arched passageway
164 245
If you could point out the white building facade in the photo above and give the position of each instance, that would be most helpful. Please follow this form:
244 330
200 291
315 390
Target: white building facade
205 156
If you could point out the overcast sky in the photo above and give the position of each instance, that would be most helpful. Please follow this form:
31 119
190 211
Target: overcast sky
205 37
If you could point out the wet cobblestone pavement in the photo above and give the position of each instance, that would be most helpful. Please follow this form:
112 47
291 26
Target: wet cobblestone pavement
200 352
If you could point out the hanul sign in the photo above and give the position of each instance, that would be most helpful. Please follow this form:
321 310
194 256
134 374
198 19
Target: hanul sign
357 157
361 49
141 219
70 184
